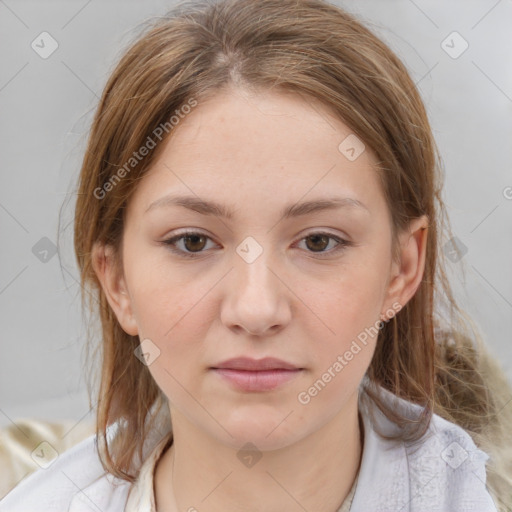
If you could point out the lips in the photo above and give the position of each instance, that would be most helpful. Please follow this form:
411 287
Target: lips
248 364
256 375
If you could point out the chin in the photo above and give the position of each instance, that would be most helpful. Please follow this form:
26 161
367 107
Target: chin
267 433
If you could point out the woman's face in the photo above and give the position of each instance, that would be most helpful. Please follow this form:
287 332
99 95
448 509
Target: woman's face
307 287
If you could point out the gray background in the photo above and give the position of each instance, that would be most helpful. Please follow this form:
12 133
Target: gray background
46 106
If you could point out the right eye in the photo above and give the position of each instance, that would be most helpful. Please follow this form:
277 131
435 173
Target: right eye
192 243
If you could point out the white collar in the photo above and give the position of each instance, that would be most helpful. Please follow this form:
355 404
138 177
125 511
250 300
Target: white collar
444 472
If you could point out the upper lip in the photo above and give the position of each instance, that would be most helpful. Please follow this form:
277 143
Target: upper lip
246 363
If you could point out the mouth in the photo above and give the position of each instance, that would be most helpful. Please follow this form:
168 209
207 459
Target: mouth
256 375
249 364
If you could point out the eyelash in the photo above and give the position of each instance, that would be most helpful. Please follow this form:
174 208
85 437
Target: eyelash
171 244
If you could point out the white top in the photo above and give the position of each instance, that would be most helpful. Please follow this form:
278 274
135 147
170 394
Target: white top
444 472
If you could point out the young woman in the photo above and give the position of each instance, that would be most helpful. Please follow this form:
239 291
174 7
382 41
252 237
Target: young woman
259 217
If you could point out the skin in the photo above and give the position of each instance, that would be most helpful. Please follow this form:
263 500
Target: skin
256 153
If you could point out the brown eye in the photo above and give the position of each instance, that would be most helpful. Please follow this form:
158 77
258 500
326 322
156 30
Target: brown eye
194 243
188 244
324 244
318 242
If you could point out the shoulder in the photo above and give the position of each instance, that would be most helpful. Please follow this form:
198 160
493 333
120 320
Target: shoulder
61 485
443 471
447 468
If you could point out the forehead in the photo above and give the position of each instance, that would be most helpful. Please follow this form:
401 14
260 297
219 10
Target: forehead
270 127
260 147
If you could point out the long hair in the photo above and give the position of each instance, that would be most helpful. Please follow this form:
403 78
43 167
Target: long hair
430 353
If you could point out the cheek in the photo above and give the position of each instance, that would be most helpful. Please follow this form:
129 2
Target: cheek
350 309
349 306
349 314
166 302
354 300
175 320
173 316
163 293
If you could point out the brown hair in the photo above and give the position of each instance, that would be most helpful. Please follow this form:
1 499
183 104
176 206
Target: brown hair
429 353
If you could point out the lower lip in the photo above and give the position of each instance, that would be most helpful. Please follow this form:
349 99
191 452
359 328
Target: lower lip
264 380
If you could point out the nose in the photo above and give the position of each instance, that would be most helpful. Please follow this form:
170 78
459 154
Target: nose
256 301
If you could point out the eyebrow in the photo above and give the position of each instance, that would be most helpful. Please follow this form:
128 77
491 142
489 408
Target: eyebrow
206 207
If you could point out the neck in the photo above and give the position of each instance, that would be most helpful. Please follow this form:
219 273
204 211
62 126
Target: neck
315 473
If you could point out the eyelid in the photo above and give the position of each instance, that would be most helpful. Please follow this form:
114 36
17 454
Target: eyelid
170 241
342 243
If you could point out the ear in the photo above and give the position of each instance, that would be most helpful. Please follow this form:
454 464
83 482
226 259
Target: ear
407 273
114 286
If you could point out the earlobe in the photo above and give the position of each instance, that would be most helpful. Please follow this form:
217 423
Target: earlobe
114 286
410 268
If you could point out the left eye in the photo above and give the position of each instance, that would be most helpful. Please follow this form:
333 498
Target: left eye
193 243
319 242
